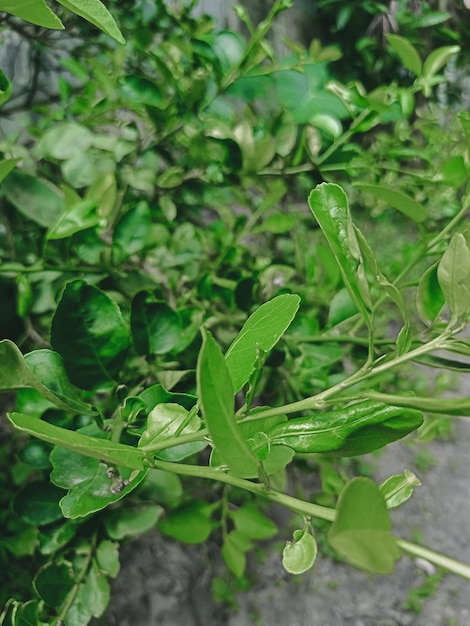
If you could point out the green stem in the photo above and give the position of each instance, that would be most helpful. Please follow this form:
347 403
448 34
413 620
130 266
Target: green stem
307 509
342 139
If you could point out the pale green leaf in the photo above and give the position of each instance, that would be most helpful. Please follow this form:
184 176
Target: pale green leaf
408 54
33 11
97 14
396 199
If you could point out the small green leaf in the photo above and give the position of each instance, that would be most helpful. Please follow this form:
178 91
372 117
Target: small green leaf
34 198
261 331
7 165
53 583
127 522
278 223
216 394
398 200
234 555
408 54
252 523
132 232
79 217
329 205
33 11
299 555
398 489
430 299
361 530
94 353
453 274
25 298
37 503
156 327
5 94
168 420
96 591
189 523
437 59
102 449
107 557
97 14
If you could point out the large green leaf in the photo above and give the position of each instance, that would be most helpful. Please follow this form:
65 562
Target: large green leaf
453 274
216 396
156 327
37 503
42 370
189 523
408 54
33 11
33 198
101 449
397 199
261 332
356 429
95 350
132 232
97 14
329 205
53 583
361 530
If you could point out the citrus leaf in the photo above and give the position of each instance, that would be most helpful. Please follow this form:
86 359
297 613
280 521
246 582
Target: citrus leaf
97 14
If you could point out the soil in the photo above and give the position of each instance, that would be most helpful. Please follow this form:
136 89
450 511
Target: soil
165 583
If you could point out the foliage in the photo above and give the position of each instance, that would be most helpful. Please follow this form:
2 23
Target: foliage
178 318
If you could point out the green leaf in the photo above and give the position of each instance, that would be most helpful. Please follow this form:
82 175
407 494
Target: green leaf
453 274
108 451
95 351
37 503
234 554
156 327
97 14
299 555
398 489
216 395
278 223
107 557
329 205
166 421
91 484
33 11
398 200
361 530
63 141
189 523
252 523
342 307
79 217
5 94
356 429
132 232
26 614
437 59
34 198
7 165
261 331
445 406
53 583
43 371
408 54
128 522
96 591
430 299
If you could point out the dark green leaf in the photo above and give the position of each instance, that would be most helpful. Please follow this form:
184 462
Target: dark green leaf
216 395
329 205
34 198
95 351
299 555
361 530
127 522
108 451
37 503
27 614
96 591
261 331
53 583
5 94
6 165
156 327
132 232
430 299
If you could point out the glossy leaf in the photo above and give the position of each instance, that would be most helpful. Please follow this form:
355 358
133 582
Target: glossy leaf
53 583
156 327
168 420
445 406
398 489
408 54
101 449
216 396
430 300
79 217
299 555
356 429
361 530
132 232
128 522
95 351
396 199
329 205
261 331
37 503
34 11
34 198
91 484
97 14
438 58
43 371
453 274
